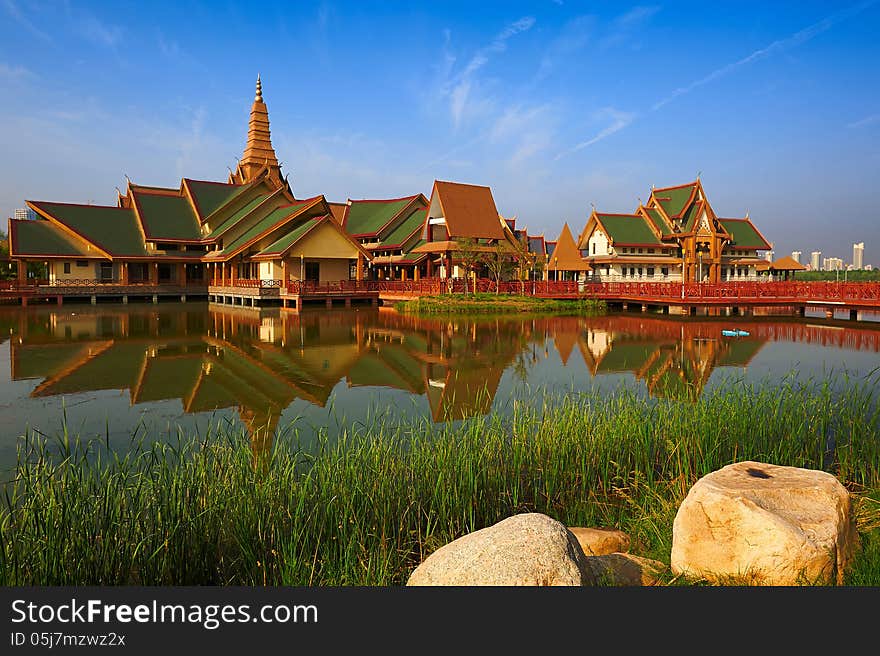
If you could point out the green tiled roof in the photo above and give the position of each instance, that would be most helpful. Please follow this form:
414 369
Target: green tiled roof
405 228
366 217
628 229
113 229
740 352
674 200
657 217
44 238
689 220
744 233
414 257
371 370
211 195
166 217
262 225
238 216
290 238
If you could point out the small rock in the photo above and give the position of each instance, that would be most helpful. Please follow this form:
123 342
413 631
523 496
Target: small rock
601 541
527 549
764 524
625 569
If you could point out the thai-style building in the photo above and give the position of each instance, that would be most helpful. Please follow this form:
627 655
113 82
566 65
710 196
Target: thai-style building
564 262
201 233
461 218
389 230
675 236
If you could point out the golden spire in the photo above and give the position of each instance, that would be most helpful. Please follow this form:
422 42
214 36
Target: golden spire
258 152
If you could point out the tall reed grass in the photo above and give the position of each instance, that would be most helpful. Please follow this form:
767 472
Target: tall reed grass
364 507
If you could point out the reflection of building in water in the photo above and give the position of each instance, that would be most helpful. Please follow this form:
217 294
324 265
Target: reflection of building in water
674 359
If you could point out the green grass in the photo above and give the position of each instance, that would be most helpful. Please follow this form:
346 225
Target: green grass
365 507
483 303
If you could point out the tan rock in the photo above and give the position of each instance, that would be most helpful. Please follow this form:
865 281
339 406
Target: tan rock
620 569
526 549
601 541
752 522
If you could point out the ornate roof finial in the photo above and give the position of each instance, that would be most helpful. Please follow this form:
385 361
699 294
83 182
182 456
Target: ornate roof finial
259 96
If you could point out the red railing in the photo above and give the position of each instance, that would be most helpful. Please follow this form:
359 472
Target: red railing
300 287
253 283
742 291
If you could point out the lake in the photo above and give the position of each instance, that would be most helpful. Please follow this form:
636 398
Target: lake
111 371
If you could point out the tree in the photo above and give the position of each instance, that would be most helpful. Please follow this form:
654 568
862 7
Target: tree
501 261
6 271
470 255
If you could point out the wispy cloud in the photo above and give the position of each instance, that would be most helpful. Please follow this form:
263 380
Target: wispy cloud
623 27
459 88
97 31
618 120
575 34
621 119
8 72
18 15
778 46
868 120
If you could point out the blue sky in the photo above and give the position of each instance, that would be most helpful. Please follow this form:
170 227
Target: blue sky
555 105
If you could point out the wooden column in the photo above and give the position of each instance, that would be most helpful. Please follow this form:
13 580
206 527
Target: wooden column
233 272
124 273
284 275
22 272
154 273
359 272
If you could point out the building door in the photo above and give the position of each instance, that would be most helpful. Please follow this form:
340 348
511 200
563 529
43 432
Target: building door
106 271
313 271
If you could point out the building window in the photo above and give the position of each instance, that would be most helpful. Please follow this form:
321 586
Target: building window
67 267
640 272
640 250
594 248
82 263
165 272
352 269
651 251
106 271
632 272
138 272
313 271
664 271
651 272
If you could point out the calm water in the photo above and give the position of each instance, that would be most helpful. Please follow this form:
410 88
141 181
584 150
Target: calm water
112 368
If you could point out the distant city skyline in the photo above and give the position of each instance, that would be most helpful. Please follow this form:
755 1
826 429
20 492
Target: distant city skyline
555 106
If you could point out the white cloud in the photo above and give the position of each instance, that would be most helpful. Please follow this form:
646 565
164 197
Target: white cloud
868 120
618 121
778 46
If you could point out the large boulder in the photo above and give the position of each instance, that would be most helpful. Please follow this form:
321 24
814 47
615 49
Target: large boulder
526 549
763 524
601 541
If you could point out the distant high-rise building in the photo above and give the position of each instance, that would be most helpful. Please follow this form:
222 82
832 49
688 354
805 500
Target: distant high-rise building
23 213
796 256
832 264
814 260
858 255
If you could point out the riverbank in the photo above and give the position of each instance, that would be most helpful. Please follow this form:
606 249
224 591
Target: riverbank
483 303
366 508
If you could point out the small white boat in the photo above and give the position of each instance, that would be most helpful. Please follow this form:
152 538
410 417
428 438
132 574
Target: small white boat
735 333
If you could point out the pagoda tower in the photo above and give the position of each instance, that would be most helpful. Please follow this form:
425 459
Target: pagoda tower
258 152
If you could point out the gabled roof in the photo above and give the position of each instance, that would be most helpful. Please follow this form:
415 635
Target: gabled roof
627 229
368 217
744 234
656 217
537 245
44 238
164 216
565 255
209 196
674 200
338 211
114 230
406 229
787 263
233 220
469 210
272 221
